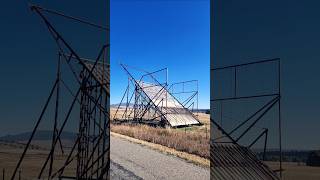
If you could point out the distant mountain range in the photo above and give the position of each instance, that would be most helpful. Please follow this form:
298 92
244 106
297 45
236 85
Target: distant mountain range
122 105
39 135
131 105
271 155
207 111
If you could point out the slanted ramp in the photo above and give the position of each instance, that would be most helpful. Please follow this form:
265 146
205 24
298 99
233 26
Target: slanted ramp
243 120
101 72
174 112
232 161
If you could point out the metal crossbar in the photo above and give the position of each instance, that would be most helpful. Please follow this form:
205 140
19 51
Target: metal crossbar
91 148
154 103
229 159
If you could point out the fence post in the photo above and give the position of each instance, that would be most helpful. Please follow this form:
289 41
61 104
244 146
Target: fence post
3 173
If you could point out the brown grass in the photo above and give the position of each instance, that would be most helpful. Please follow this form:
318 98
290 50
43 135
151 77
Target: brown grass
194 140
190 142
30 168
186 156
295 171
32 163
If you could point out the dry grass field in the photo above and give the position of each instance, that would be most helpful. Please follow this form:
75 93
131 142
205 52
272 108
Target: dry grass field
295 171
193 140
9 156
30 168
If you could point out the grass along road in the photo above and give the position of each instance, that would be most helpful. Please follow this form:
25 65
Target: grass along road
147 163
194 140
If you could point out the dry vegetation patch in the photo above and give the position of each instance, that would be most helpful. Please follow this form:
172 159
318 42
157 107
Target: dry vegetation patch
194 140
187 141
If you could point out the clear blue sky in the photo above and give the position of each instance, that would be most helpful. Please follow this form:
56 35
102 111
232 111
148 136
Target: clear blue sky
250 30
29 55
175 33
163 34
157 34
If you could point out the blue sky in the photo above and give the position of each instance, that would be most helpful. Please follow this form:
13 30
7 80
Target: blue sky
29 56
250 30
157 34
160 33
173 34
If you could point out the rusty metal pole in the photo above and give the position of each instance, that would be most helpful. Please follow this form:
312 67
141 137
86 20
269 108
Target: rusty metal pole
20 174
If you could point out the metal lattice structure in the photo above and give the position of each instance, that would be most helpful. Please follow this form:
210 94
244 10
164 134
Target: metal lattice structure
88 157
154 102
232 154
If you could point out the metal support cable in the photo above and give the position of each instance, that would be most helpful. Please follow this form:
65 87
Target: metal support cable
70 17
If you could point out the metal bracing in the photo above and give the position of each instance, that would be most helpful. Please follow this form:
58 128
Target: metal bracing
229 140
90 153
190 95
150 101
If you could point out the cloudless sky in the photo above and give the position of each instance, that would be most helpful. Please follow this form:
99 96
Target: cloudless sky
29 55
147 34
162 33
250 30
174 34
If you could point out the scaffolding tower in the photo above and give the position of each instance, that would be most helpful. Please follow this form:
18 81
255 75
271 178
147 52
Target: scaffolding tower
88 157
149 99
233 138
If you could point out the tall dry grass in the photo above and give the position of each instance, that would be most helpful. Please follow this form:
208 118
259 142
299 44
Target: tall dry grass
190 142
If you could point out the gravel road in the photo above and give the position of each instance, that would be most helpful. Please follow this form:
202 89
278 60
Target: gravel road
135 161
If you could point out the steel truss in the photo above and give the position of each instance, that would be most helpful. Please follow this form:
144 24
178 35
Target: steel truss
138 106
243 128
90 152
